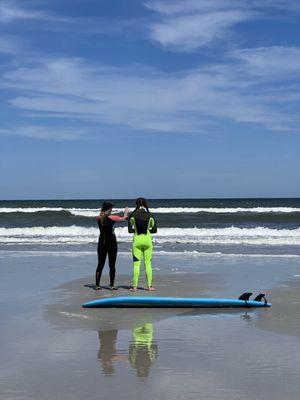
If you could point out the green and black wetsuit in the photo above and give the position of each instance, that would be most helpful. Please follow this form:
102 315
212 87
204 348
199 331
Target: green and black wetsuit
142 223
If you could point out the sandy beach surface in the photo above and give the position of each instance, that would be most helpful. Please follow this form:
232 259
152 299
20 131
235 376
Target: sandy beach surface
52 348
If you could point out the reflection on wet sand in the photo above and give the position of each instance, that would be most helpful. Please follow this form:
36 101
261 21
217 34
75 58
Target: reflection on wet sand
107 353
141 352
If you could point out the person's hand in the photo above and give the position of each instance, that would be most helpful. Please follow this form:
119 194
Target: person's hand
126 210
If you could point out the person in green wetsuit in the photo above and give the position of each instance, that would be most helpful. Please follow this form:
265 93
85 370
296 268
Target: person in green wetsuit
141 223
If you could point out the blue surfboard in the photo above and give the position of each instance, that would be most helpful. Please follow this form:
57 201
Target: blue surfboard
172 302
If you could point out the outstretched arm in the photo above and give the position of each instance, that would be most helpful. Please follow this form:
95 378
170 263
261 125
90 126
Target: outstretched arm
117 218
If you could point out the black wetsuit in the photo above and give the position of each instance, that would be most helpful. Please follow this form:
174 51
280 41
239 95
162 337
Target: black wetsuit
141 217
107 245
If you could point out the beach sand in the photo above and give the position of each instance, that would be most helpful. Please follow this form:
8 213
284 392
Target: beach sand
52 348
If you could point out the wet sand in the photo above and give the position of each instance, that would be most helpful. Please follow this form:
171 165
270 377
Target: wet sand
68 313
285 316
52 348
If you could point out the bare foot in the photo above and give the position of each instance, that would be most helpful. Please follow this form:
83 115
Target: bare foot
133 289
151 288
97 287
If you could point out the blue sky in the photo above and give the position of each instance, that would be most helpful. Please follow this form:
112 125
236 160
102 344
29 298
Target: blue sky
122 98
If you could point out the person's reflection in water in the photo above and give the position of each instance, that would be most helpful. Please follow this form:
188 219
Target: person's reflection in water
142 350
107 353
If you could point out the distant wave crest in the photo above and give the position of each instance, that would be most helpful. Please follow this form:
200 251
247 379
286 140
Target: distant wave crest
92 212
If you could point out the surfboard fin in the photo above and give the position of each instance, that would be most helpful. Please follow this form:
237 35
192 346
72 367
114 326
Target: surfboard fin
245 296
261 297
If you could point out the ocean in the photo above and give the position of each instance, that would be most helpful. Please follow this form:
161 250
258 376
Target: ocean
253 227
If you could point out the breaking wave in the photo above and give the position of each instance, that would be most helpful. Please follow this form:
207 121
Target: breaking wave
82 235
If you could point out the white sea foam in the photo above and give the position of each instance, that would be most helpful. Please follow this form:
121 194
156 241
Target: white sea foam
29 209
93 212
81 235
193 253
225 210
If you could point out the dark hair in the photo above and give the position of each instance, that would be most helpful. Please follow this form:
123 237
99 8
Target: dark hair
105 211
141 202
106 205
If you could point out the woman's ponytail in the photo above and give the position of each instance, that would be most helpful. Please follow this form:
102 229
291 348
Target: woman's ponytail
141 202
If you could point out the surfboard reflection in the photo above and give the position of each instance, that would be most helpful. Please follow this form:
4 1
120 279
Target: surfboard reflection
142 350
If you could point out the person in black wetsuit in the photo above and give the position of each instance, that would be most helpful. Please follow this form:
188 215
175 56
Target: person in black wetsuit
107 243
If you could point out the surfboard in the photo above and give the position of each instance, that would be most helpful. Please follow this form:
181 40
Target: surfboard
172 302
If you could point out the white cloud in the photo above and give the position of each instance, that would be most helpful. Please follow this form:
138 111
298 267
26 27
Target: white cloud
58 133
171 7
192 6
270 61
186 25
251 87
11 10
148 100
190 32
